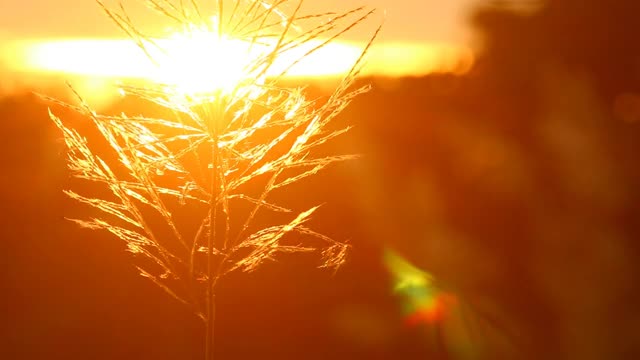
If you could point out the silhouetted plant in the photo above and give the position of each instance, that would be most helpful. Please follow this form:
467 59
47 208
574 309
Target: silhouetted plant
227 148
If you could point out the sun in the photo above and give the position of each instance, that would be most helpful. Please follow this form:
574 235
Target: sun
192 62
201 61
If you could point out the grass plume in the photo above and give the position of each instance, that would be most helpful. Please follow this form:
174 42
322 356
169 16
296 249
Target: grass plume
221 155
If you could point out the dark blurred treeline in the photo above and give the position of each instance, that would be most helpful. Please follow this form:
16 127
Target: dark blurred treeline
515 185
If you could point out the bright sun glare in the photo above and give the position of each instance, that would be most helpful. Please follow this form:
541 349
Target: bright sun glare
194 62
200 61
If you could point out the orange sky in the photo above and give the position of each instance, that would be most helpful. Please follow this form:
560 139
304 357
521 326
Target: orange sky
406 20
419 36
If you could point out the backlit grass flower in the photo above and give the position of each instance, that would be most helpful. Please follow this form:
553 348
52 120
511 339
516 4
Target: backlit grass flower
233 136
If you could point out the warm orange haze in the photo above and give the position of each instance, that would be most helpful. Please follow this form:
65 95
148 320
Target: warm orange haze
257 188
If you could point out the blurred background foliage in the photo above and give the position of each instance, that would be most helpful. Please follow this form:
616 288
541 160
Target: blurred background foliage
493 215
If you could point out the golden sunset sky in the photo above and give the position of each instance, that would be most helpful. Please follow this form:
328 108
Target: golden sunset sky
406 20
74 36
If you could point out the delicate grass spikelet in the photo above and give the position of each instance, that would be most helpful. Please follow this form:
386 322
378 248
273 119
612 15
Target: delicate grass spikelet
226 146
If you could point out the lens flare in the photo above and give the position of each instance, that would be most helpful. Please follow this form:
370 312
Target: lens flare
442 317
423 302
